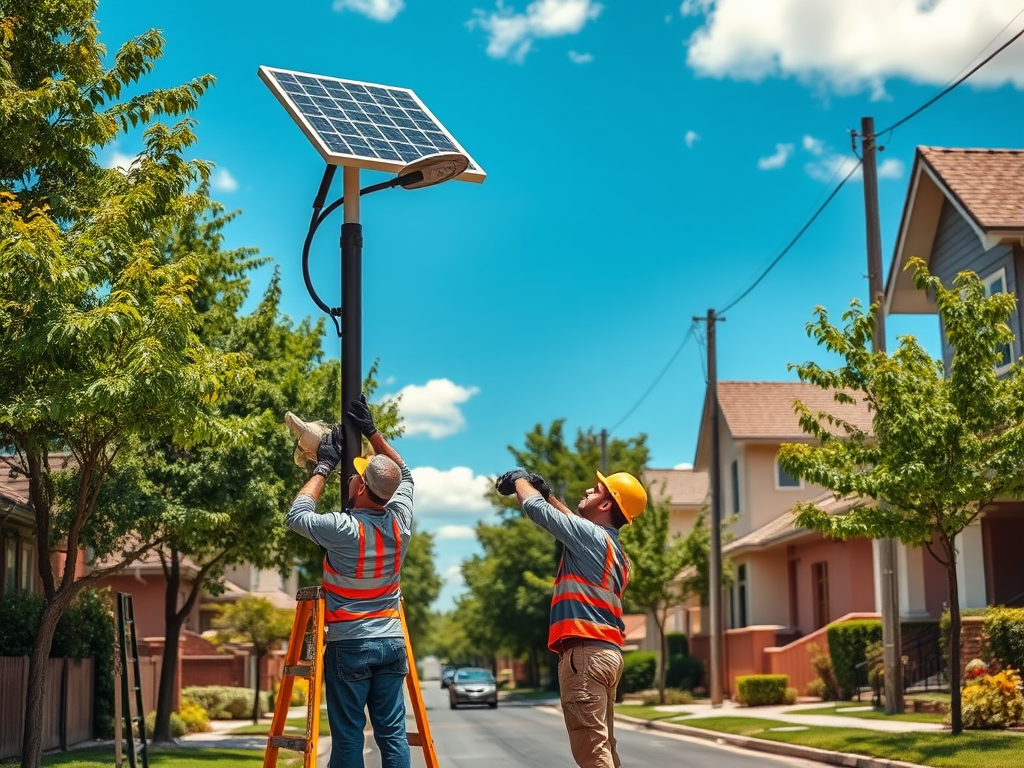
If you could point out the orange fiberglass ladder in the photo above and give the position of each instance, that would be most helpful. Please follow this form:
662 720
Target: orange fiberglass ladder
305 659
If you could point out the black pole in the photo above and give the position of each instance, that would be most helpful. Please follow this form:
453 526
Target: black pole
351 337
715 564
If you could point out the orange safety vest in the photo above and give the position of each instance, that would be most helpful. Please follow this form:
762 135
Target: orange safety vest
589 608
371 589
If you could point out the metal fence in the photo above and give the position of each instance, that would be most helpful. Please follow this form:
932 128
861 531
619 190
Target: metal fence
67 703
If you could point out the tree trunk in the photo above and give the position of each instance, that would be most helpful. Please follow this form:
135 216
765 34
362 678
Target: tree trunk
661 656
955 709
38 661
256 687
173 620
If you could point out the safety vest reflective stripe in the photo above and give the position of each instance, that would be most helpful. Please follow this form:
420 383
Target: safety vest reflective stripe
590 609
362 552
609 562
587 629
362 593
339 614
378 563
613 605
397 532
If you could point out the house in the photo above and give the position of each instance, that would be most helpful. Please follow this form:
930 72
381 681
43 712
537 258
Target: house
17 535
964 210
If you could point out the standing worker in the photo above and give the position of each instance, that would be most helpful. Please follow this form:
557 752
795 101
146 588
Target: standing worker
586 630
365 660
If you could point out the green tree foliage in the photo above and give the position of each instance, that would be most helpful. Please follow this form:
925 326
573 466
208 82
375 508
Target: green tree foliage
253 620
943 447
98 333
421 584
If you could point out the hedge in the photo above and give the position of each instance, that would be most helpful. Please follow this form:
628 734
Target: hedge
224 702
847 645
1004 636
685 672
638 671
760 690
678 644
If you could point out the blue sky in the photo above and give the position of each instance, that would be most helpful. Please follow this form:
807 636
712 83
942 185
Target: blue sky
645 161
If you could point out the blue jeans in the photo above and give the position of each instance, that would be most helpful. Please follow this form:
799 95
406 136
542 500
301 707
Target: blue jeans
366 674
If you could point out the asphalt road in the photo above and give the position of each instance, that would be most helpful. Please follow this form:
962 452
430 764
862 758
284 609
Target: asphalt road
525 735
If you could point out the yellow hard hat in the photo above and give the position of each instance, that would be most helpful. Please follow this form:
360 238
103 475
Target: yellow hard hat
628 493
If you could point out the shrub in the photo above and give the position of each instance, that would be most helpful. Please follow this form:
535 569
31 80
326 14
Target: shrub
194 716
825 686
223 702
791 694
178 726
847 644
677 644
993 701
1004 636
300 692
759 690
638 669
672 696
684 672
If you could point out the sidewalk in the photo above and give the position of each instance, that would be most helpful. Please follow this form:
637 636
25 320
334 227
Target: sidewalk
220 735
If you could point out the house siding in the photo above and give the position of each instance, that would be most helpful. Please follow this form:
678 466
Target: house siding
958 248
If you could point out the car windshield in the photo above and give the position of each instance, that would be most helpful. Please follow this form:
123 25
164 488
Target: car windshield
474 676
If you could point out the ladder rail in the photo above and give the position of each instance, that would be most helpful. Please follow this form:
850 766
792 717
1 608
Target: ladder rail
126 641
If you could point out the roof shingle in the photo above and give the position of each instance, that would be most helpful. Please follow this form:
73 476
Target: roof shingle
682 487
988 183
764 409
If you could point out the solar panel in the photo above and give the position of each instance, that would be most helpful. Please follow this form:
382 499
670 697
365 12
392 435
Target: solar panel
364 125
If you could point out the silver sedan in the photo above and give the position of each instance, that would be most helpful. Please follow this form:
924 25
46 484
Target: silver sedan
472 685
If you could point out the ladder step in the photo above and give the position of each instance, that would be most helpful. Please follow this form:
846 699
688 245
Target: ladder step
414 739
309 593
289 742
298 670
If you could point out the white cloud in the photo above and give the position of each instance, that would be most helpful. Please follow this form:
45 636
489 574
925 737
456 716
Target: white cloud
813 145
223 181
433 409
120 160
691 138
512 34
456 532
456 490
453 576
684 465
852 46
378 10
778 160
890 169
829 165
580 58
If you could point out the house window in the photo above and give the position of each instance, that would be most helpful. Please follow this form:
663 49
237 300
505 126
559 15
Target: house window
18 563
10 562
735 471
741 595
785 481
996 283
819 579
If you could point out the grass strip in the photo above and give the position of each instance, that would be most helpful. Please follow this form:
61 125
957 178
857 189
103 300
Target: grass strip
172 757
873 714
646 713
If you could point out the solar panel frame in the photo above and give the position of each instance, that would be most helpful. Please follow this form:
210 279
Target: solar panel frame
363 125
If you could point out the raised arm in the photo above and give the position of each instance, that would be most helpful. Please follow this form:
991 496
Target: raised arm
359 414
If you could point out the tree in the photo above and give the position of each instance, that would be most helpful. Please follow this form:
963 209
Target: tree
943 447
656 562
98 343
253 620
421 585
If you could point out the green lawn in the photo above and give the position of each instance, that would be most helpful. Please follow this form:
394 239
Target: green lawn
647 713
294 724
177 757
877 713
978 749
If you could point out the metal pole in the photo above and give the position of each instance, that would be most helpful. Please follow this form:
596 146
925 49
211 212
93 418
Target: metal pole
891 645
715 564
351 315
604 451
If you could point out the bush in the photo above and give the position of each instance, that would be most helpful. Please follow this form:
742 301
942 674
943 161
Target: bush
193 716
847 644
223 702
672 696
759 690
826 686
684 672
638 669
993 701
677 644
1004 637
178 726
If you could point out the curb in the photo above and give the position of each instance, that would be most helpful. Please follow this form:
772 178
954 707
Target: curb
845 759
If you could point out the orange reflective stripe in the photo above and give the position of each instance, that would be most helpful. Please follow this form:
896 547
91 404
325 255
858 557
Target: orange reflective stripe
362 552
585 629
609 561
378 560
361 594
398 545
343 615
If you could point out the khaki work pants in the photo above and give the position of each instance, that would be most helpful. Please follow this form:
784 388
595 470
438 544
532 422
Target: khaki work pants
587 678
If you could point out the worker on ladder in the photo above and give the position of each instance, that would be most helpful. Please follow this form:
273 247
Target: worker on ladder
586 629
365 660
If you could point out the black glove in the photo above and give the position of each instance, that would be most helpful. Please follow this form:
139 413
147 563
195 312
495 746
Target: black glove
328 453
506 484
359 413
540 484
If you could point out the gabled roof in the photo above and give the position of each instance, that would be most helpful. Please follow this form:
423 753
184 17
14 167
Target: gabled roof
985 186
784 527
681 487
762 411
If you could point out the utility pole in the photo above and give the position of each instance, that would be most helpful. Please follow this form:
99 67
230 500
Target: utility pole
891 643
715 480
604 451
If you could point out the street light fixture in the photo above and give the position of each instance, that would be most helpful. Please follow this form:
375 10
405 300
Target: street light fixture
359 125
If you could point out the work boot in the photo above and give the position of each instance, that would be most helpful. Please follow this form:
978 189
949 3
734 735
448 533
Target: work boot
308 434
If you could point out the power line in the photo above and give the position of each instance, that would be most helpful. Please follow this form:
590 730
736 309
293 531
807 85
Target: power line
792 242
657 378
958 82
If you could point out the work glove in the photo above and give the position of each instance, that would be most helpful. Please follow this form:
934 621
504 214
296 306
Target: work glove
506 484
540 484
359 413
328 453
